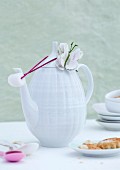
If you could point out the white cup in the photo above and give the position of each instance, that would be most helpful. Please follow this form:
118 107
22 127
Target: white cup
112 101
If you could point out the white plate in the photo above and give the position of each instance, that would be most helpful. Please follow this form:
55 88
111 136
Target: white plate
94 153
109 125
101 109
104 117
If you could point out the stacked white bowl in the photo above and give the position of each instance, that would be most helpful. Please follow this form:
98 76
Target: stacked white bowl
109 112
112 101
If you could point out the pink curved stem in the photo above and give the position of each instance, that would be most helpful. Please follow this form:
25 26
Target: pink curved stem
33 69
39 63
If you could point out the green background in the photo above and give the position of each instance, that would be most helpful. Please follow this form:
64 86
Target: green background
27 28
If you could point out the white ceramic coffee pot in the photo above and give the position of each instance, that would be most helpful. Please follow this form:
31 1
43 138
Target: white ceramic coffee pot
54 104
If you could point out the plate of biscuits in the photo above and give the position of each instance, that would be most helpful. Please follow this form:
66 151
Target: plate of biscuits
106 147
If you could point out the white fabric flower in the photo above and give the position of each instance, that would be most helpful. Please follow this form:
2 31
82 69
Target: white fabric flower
63 52
72 62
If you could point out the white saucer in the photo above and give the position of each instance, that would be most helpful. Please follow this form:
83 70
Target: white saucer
101 109
109 125
112 118
94 153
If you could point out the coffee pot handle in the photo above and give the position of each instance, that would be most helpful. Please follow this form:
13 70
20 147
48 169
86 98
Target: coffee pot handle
89 79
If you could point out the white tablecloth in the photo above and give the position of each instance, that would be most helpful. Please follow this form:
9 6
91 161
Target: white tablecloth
58 158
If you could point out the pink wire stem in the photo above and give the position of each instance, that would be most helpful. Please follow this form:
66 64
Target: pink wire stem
39 62
35 66
34 69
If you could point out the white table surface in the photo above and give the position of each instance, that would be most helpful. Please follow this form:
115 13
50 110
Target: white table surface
58 158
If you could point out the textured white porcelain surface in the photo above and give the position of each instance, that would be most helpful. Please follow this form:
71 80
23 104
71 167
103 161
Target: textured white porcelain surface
62 106
55 104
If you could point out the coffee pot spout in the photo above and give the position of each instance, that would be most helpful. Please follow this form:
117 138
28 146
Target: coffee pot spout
30 108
